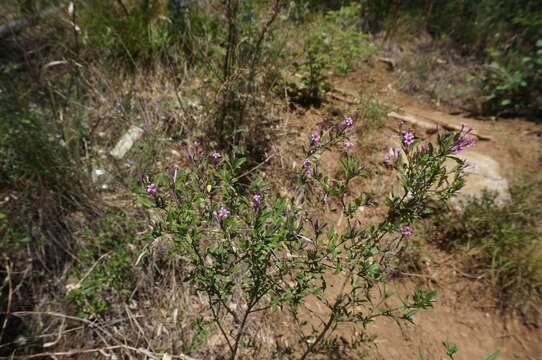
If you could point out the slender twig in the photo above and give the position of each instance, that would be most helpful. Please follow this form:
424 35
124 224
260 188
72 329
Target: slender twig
320 336
248 172
91 269
219 324
257 49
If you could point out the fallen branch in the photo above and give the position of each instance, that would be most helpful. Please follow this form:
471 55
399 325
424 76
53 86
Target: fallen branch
431 126
428 125
340 98
71 353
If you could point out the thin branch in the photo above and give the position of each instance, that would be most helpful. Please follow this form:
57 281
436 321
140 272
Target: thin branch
100 350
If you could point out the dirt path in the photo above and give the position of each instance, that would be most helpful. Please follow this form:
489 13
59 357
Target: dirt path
465 312
516 143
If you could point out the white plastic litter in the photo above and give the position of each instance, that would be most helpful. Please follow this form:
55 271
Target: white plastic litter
126 142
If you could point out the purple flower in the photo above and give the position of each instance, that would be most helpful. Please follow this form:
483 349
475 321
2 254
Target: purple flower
307 164
348 144
408 138
407 230
130 162
392 154
461 143
222 213
216 155
347 122
196 144
151 188
188 151
315 137
257 199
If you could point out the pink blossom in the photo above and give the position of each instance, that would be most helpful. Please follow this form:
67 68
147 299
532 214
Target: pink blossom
216 155
407 231
348 121
152 188
392 154
408 138
257 199
222 213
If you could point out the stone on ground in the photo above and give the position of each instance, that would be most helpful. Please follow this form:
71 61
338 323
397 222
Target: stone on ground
483 174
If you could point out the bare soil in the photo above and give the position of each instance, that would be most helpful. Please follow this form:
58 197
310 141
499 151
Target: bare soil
465 312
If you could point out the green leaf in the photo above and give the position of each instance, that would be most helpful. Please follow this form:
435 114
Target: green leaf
146 201
492 356
451 348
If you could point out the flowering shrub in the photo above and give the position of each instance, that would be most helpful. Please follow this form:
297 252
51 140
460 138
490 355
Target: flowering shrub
250 250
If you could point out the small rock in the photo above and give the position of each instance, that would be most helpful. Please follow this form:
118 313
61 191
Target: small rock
483 174
175 153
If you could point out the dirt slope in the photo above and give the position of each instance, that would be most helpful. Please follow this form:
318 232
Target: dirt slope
465 312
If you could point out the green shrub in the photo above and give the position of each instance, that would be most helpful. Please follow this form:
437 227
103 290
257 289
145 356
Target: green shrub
45 191
11 239
242 75
105 265
504 243
41 173
138 31
512 81
332 43
505 34
249 250
371 111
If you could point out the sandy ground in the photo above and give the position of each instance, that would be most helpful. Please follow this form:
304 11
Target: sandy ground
465 313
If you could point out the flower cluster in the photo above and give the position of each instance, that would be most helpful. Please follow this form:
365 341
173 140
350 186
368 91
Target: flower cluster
408 138
192 151
222 213
320 140
391 155
407 230
348 122
216 155
257 199
152 188
461 143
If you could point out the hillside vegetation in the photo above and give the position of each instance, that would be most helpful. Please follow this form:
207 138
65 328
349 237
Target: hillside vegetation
221 180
